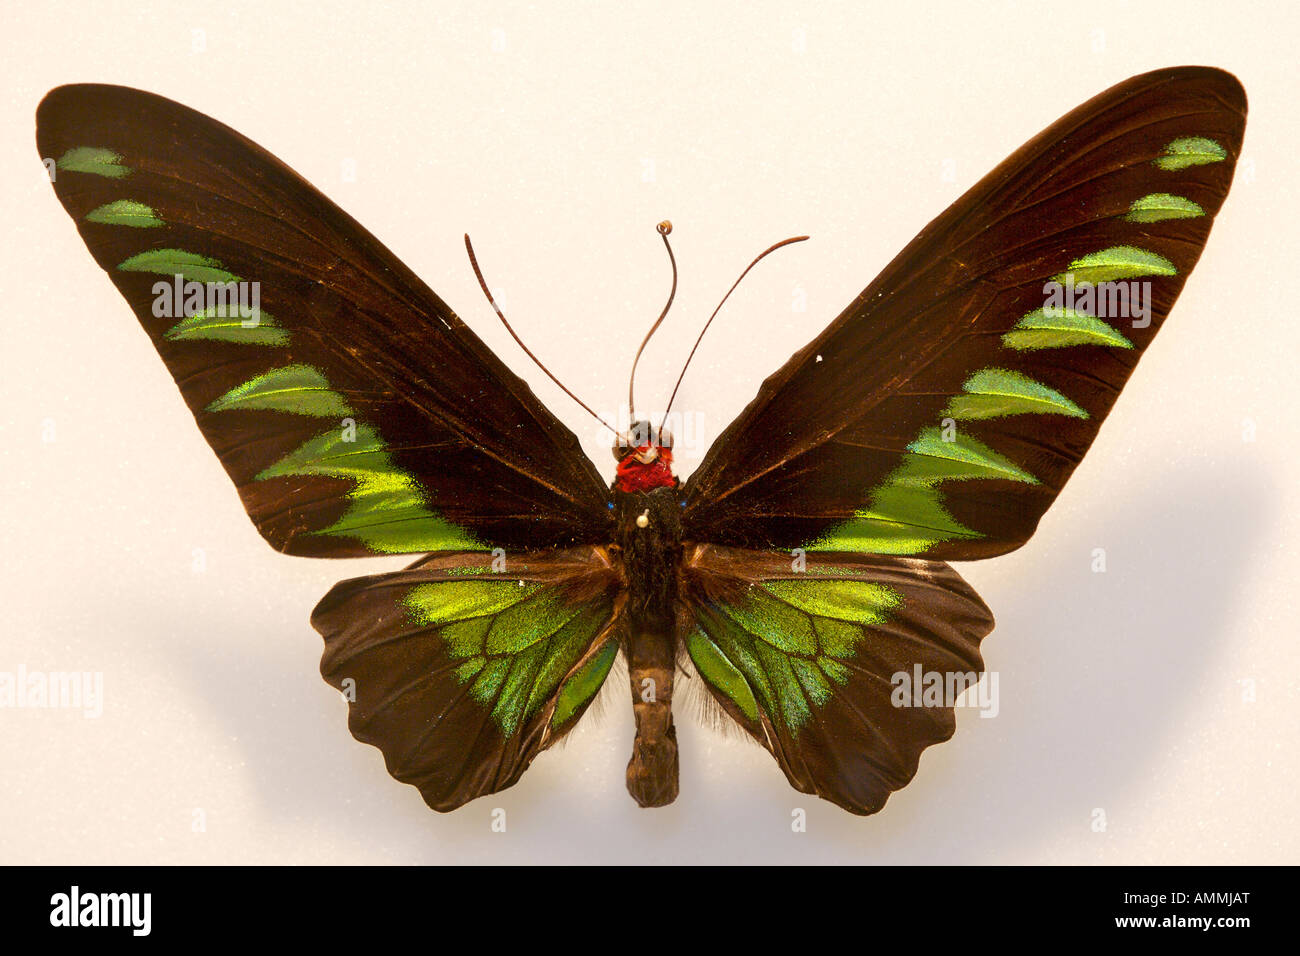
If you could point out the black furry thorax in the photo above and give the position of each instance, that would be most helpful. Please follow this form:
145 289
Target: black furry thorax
650 555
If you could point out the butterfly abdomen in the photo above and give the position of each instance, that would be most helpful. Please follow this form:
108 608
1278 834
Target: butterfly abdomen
648 538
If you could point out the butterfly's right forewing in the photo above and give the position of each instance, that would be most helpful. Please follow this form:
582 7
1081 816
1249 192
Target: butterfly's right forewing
352 408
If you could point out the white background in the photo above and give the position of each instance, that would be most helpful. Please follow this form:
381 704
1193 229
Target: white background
534 129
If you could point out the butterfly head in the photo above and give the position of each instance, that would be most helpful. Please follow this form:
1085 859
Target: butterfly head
645 458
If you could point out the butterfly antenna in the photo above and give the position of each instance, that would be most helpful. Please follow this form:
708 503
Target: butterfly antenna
664 228
761 256
527 351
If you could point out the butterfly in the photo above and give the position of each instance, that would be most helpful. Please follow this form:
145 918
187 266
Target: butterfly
800 575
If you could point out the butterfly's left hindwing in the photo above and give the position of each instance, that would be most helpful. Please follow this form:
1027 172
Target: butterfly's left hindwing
461 674
818 657
354 411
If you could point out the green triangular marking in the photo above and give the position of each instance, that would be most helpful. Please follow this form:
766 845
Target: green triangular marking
332 454
1156 207
1191 151
995 392
296 389
125 212
1117 262
1054 328
95 160
190 266
212 324
934 459
901 519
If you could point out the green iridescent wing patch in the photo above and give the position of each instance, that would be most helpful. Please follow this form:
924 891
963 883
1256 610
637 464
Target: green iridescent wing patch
226 325
1154 207
462 674
945 409
809 661
792 643
124 212
515 643
354 411
94 160
1190 151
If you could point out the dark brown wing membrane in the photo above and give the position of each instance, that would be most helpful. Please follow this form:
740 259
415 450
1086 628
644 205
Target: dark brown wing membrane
819 662
355 412
942 412
461 674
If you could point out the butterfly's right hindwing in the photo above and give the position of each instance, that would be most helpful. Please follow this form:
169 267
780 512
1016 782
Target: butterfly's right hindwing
461 674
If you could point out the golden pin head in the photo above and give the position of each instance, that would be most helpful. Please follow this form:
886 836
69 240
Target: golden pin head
664 227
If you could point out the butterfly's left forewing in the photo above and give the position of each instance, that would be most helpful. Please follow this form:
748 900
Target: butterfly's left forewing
806 654
461 670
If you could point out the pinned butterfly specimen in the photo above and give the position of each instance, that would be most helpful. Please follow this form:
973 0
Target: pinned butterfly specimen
802 567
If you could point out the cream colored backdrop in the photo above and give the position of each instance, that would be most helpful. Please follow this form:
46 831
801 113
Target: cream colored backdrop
1162 693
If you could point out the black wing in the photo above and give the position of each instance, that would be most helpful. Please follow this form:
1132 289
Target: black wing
355 412
944 410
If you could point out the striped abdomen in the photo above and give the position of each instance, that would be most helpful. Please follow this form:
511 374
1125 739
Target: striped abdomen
652 771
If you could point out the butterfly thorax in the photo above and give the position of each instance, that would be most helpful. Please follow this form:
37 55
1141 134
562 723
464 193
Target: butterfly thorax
648 540
648 536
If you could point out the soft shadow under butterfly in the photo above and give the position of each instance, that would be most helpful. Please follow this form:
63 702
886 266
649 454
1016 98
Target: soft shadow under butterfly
799 574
